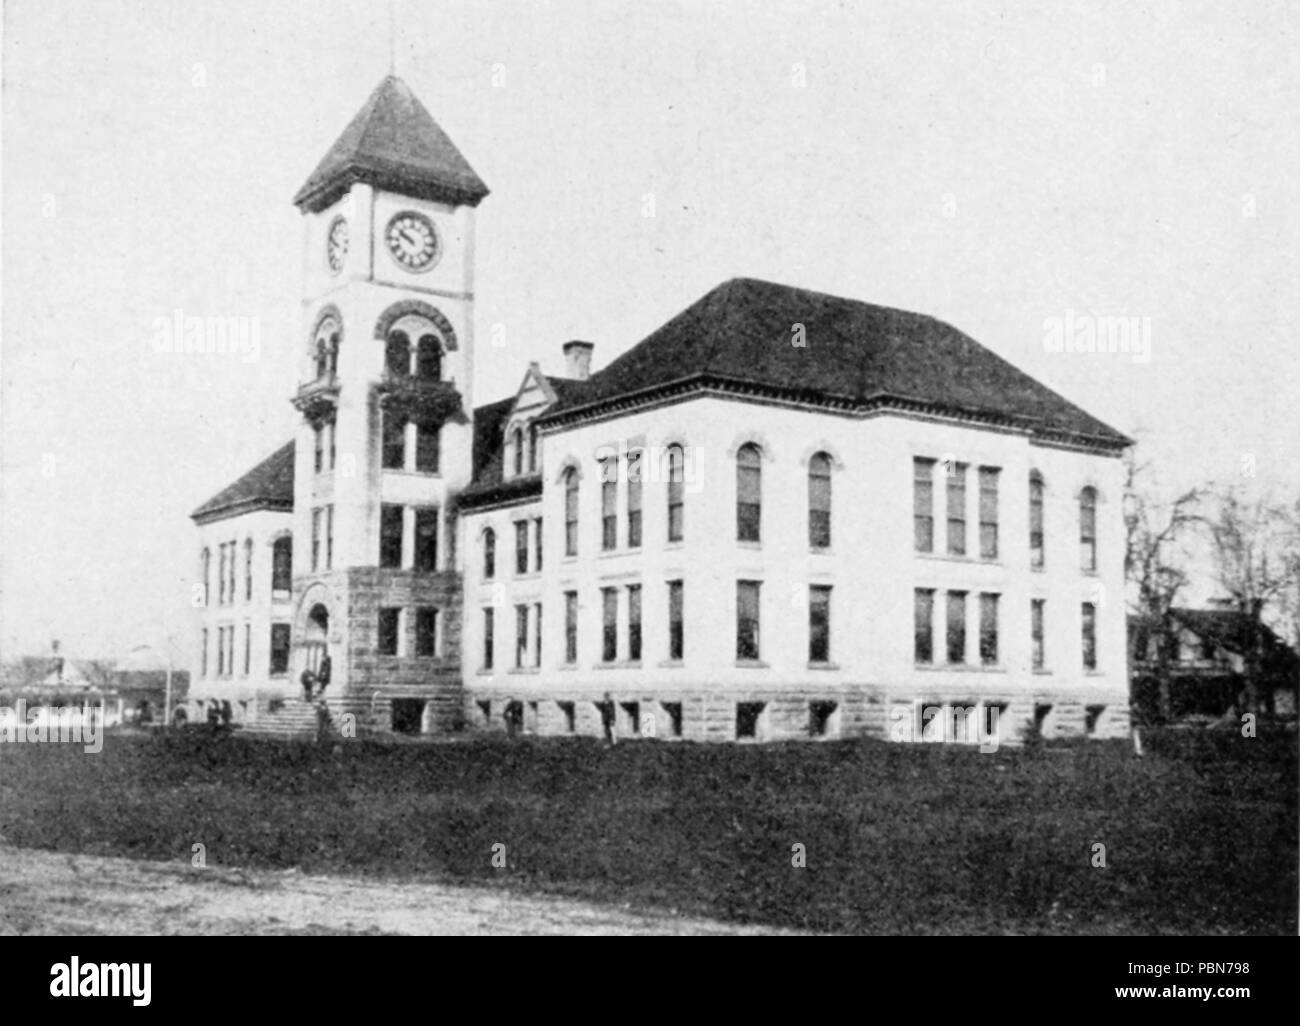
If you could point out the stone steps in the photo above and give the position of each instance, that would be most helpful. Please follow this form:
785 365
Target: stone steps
295 719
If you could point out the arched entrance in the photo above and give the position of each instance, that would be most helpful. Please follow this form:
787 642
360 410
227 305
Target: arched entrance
315 637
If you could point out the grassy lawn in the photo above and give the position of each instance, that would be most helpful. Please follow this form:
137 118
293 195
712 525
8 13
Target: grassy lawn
1200 834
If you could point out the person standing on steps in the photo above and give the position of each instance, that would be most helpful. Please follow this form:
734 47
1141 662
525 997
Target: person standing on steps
607 718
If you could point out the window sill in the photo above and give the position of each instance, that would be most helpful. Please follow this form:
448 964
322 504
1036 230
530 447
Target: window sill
948 557
1040 672
412 473
1038 569
525 671
488 672
622 664
670 664
752 664
823 666
674 543
741 543
815 550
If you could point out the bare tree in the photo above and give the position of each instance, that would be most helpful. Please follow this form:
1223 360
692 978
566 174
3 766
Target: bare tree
1154 563
1254 548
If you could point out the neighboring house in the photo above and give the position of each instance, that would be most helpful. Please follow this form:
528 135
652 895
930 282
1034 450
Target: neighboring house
782 514
47 682
1206 659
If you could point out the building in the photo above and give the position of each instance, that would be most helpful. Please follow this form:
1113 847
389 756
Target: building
1205 655
783 514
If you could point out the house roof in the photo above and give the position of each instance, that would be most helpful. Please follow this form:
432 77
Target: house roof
738 337
269 485
1225 628
393 143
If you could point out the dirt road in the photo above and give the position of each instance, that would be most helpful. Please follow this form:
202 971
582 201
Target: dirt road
45 892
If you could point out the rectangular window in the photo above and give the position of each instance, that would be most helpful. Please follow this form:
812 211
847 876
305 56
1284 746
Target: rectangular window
609 611
248 571
819 624
956 624
988 512
221 651
489 623
427 448
315 540
571 513
329 537
635 462
957 509
426 538
923 624
282 565
609 503
390 537
319 448
923 504
988 629
203 654
280 633
1089 636
389 627
1036 609
676 488
521 635
675 638
747 610
1036 522
749 495
248 648
570 626
1088 535
634 622
333 430
521 546
221 574
537 634
537 545
394 442
426 632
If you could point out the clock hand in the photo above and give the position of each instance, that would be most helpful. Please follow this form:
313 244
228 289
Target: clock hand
409 237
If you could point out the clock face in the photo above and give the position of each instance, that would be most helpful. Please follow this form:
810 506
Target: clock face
413 241
336 246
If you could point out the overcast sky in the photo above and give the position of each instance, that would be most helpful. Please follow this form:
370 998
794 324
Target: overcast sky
994 165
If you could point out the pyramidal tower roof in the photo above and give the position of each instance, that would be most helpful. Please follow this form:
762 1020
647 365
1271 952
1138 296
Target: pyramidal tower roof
393 143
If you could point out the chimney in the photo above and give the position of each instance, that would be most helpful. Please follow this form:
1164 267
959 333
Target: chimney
577 359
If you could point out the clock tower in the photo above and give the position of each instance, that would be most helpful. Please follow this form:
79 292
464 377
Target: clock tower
386 397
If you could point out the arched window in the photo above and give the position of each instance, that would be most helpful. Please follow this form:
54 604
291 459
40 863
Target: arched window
819 501
325 347
1088 529
749 492
571 512
676 476
205 563
532 448
397 354
517 444
428 359
489 553
1036 556
248 569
